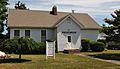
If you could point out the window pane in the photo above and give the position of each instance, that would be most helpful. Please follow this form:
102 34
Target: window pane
43 32
16 33
43 39
27 33
69 38
43 35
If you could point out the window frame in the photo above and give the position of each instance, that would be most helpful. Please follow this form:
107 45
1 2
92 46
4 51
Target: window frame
15 33
29 32
43 37
69 39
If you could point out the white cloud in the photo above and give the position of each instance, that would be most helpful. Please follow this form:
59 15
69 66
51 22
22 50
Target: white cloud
115 7
92 3
82 5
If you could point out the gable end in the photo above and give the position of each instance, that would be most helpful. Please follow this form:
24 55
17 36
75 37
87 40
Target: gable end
71 17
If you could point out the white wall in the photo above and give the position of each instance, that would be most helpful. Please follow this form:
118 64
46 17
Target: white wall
62 37
35 33
90 34
51 34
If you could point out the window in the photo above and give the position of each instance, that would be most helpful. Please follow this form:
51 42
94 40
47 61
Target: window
69 38
16 33
43 35
27 33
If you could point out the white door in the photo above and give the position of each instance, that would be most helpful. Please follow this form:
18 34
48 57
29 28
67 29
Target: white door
68 42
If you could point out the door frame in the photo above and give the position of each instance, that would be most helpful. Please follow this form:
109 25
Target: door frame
68 43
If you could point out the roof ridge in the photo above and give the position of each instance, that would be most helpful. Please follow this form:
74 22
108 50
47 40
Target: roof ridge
47 11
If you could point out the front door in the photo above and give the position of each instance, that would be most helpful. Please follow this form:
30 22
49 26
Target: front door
68 42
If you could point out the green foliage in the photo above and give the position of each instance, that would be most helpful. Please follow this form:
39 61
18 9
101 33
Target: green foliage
39 47
97 46
85 44
19 5
102 40
3 10
23 45
113 31
9 46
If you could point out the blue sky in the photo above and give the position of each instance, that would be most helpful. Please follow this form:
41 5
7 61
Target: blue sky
97 9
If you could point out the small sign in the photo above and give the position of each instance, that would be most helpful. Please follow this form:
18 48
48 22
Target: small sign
50 49
72 32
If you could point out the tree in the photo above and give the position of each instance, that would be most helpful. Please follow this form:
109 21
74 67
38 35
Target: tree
20 5
113 30
3 14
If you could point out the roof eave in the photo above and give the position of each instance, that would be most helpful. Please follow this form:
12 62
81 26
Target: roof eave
31 27
91 28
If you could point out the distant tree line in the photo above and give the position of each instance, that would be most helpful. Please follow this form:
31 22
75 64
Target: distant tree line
3 16
20 5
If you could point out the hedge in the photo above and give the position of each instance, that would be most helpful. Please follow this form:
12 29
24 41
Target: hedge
85 44
97 46
102 40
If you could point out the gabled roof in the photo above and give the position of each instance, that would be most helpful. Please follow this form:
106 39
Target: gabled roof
73 18
43 19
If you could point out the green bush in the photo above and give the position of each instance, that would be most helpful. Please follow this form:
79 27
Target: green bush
102 40
23 45
85 44
40 47
10 45
97 46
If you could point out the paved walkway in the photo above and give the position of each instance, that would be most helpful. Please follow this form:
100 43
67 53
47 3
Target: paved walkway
111 61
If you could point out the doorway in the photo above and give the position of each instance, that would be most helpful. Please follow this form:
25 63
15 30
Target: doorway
68 42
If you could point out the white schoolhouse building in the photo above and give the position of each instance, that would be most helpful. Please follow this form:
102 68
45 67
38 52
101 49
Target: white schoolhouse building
66 28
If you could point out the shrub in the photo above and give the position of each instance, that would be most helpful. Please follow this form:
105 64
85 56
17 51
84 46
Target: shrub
23 45
113 45
85 44
10 45
97 46
102 40
40 47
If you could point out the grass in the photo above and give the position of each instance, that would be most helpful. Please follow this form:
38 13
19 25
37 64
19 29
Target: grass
62 61
108 55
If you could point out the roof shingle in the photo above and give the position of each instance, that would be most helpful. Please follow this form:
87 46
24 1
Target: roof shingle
39 19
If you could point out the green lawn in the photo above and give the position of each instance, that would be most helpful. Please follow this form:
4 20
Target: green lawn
107 51
108 55
62 61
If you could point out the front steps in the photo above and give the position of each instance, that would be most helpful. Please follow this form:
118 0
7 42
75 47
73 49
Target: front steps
71 51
